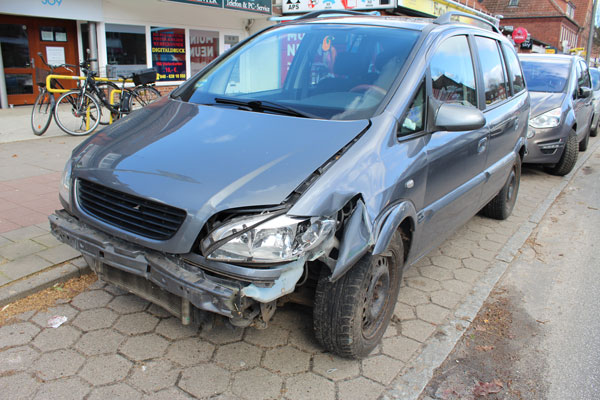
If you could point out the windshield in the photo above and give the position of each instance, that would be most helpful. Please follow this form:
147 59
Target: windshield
595 78
322 71
546 75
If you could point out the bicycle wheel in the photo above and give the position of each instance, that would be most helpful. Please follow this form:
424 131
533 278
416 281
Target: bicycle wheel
41 114
75 115
141 96
106 88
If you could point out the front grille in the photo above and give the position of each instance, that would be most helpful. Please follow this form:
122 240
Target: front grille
131 213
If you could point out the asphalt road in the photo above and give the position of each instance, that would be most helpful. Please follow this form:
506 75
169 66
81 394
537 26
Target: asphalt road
538 335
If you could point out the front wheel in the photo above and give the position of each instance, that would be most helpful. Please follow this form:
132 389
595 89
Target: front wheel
351 314
41 114
568 159
141 96
501 206
77 115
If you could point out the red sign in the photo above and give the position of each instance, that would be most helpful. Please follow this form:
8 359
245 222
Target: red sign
519 35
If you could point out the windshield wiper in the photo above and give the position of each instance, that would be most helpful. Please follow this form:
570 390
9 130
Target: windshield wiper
264 105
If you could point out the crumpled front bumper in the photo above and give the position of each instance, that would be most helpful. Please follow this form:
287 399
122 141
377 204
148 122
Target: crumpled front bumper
165 279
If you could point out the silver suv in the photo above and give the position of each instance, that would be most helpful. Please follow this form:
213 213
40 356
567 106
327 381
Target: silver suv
312 163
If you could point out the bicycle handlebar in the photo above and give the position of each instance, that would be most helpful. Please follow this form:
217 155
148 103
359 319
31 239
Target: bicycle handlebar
53 67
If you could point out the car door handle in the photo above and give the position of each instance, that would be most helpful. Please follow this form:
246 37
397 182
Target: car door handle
481 146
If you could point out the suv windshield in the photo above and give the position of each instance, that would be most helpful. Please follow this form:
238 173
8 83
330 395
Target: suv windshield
315 70
546 75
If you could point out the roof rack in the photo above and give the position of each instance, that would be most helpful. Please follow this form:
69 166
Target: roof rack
454 16
316 14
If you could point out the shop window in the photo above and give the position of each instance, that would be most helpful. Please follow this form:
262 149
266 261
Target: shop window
168 53
126 44
15 45
204 47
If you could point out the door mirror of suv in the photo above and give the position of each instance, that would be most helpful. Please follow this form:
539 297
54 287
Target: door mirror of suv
458 117
585 92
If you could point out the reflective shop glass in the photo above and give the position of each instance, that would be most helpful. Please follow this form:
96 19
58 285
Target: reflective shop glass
516 74
326 71
452 73
496 88
15 45
126 44
546 75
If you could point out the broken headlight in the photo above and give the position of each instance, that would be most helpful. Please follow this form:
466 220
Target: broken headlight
268 238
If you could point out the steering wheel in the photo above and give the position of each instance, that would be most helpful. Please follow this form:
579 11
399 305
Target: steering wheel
365 87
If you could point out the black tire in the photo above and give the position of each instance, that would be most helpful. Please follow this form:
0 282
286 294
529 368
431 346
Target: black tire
343 312
106 88
77 117
41 114
141 96
583 145
568 159
594 130
501 206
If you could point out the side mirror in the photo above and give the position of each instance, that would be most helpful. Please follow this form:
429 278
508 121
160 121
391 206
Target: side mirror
585 92
457 117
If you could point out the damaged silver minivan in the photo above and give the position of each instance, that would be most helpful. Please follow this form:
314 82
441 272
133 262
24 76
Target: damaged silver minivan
311 163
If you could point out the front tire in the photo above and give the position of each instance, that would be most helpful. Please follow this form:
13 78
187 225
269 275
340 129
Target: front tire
41 114
77 116
568 159
501 206
141 96
351 314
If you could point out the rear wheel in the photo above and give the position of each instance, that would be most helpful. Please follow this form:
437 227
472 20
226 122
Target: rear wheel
351 314
77 115
107 89
594 129
501 206
568 159
141 96
41 114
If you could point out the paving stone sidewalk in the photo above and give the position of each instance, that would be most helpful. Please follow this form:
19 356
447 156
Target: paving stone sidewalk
116 345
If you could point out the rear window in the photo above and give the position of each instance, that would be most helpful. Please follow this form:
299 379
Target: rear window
546 75
325 71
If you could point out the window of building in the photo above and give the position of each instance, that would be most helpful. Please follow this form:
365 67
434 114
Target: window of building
570 10
168 53
452 73
126 45
496 88
516 74
513 3
204 47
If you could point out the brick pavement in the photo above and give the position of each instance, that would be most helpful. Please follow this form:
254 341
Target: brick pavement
116 345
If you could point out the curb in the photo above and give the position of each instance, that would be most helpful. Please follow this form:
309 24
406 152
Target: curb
43 280
420 370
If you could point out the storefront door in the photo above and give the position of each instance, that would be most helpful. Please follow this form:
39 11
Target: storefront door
21 39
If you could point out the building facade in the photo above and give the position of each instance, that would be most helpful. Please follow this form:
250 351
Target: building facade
175 37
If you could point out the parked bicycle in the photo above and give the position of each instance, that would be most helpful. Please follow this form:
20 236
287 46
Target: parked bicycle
43 108
78 112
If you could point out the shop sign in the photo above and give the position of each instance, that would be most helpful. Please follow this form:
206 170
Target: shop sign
519 35
303 6
204 47
168 53
257 6
431 7
550 51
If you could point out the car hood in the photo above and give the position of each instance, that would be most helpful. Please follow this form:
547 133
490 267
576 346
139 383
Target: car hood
544 101
205 159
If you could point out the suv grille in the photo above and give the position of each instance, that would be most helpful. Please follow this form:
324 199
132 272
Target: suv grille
131 213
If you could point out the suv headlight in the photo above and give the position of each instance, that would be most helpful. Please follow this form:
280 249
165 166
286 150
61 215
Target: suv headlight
268 238
549 119
64 188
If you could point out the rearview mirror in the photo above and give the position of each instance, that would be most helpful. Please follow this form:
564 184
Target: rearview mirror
457 117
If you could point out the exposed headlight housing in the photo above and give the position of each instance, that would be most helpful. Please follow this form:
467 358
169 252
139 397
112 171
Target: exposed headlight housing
549 119
64 188
269 238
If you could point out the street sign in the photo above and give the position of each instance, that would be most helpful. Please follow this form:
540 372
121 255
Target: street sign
519 35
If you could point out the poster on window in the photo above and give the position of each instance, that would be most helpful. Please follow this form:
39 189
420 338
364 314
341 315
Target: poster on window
204 47
168 53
